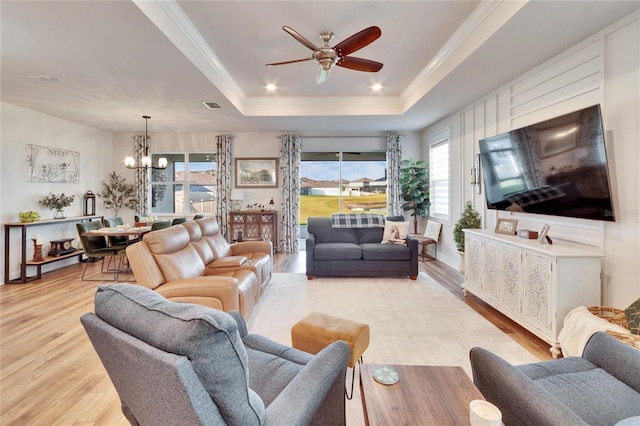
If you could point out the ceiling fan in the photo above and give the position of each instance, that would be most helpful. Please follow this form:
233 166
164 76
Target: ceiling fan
327 56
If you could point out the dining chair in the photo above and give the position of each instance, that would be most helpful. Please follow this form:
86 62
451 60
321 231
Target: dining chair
178 220
113 222
160 224
97 248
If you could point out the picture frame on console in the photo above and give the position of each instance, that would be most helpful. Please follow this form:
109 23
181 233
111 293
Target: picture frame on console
256 172
506 226
543 238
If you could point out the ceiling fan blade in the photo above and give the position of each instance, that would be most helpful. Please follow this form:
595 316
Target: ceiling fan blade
359 64
289 62
358 41
293 33
323 75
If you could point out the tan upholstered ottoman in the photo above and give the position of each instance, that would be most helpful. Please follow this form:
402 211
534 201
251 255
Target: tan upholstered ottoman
316 331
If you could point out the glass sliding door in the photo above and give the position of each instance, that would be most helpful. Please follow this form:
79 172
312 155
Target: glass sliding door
342 182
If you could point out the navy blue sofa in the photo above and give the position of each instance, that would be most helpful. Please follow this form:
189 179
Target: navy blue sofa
357 252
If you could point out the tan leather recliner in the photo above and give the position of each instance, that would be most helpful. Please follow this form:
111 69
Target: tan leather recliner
173 262
258 254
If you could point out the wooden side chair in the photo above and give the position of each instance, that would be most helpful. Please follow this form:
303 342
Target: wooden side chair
430 238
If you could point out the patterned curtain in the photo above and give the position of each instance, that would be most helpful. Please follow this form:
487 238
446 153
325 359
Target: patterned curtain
224 181
394 155
142 145
290 191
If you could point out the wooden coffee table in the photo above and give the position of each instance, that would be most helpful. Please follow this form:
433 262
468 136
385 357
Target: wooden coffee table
424 395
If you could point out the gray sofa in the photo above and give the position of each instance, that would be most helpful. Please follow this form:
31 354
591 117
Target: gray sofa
185 364
600 388
357 252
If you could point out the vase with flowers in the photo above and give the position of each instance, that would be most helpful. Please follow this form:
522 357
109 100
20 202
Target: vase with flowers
57 203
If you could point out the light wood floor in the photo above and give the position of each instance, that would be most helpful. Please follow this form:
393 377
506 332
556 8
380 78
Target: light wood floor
50 374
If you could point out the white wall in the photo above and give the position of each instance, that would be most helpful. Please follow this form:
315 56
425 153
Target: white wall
603 69
20 127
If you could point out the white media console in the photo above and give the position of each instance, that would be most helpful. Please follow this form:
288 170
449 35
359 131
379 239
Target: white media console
534 284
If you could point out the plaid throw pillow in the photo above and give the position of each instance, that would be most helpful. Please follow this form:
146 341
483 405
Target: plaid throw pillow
633 317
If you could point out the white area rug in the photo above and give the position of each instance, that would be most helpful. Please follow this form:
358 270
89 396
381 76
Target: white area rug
412 322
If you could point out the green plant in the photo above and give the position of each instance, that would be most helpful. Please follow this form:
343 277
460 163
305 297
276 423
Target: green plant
118 193
414 187
469 219
57 202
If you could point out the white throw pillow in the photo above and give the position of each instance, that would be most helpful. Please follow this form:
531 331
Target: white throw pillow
395 232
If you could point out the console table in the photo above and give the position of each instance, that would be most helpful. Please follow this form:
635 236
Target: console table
255 225
536 285
23 278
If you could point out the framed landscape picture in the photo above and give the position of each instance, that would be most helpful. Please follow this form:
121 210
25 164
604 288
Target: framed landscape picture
256 172
506 226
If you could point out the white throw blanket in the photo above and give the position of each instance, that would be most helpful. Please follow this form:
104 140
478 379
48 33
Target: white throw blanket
579 326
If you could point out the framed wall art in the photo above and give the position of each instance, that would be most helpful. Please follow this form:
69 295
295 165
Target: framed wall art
256 172
506 226
52 165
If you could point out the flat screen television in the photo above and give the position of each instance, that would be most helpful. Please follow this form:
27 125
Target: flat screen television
556 167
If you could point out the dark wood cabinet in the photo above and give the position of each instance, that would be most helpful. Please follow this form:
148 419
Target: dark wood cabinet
255 225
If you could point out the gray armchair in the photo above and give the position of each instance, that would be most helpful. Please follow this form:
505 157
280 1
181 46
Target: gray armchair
600 388
179 363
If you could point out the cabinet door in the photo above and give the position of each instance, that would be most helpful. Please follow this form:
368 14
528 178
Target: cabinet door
537 291
511 279
473 263
491 270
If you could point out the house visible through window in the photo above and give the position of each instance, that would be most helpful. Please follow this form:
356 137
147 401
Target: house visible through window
342 182
187 186
439 179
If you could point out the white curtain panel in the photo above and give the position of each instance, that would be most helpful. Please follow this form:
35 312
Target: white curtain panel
394 157
224 181
290 147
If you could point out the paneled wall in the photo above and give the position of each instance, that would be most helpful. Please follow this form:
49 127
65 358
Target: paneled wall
603 69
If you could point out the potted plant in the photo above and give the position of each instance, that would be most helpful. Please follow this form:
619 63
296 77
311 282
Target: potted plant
414 187
469 219
118 193
57 203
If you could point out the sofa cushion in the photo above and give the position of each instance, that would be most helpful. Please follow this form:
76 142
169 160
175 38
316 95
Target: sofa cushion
593 395
633 317
321 228
369 235
274 371
395 232
377 251
208 337
337 251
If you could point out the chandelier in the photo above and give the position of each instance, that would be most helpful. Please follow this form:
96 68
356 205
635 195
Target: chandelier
145 161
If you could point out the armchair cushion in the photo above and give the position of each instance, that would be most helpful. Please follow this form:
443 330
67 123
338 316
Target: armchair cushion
209 338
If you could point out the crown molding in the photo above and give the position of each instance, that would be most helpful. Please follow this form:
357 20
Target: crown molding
484 21
169 17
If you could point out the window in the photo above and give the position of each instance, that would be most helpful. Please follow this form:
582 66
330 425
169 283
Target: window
185 186
439 179
342 182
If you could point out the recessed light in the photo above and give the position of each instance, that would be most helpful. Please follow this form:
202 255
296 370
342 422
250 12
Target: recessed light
376 87
271 87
